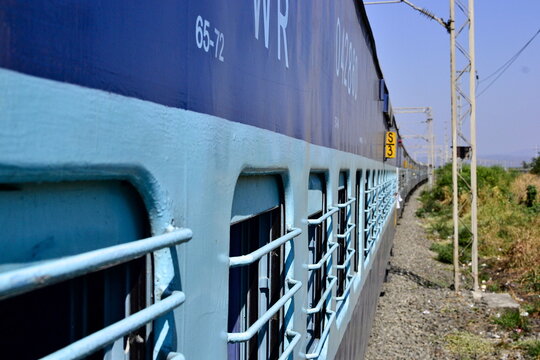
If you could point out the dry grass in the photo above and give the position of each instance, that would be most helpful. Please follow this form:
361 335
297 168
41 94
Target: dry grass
519 186
509 231
525 251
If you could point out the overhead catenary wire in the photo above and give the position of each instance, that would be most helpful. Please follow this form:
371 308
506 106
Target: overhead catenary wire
512 58
502 69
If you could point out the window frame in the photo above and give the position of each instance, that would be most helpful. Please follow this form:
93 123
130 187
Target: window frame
320 245
263 282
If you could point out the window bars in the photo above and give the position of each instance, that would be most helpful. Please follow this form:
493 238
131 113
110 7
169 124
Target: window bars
294 286
349 248
378 207
50 272
330 318
331 282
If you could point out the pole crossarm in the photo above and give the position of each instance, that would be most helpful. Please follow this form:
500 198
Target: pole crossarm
425 12
412 110
415 137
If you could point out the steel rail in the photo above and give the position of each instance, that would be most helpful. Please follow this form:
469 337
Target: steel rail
350 228
288 350
111 333
257 325
324 336
325 216
347 260
323 260
323 298
345 204
32 277
260 252
347 289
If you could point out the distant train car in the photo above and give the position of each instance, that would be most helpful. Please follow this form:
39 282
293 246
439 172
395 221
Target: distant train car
193 179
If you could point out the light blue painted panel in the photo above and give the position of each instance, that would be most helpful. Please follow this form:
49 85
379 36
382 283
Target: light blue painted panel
50 220
254 195
315 193
342 179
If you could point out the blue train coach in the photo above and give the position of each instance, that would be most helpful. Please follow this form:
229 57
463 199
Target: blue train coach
193 179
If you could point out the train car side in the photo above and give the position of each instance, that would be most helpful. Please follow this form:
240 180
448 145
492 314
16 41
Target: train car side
253 170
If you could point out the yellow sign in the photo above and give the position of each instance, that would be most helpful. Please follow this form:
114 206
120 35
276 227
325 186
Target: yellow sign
390 145
390 138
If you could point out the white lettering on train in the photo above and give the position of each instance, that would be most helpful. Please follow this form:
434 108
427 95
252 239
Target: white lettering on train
282 21
346 61
266 19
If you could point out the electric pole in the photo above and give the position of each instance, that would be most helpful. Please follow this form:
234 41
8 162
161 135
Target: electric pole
463 146
459 116
430 138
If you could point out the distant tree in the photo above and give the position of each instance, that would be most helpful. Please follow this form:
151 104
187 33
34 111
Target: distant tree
535 165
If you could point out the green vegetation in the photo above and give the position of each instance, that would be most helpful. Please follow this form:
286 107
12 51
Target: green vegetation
534 165
532 348
467 345
512 320
533 308
508 224
445 252
531 195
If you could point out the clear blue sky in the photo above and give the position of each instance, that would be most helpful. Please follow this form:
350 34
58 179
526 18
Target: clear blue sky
414 55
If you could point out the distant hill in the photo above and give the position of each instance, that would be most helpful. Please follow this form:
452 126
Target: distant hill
510 159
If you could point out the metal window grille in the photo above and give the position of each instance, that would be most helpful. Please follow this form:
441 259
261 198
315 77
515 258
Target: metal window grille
358 220
258 291
346 252
379 204
323 283
33 277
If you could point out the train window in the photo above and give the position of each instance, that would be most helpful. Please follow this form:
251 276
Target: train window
318 243
257 219
49 221
320 282
368 207
358 219
341 229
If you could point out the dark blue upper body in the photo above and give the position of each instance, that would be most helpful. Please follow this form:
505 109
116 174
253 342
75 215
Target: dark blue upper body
309 71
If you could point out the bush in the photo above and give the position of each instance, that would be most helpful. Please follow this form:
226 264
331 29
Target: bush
494 287
442 229
531 195
512 320
445 252
535 165
531 280
465 236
